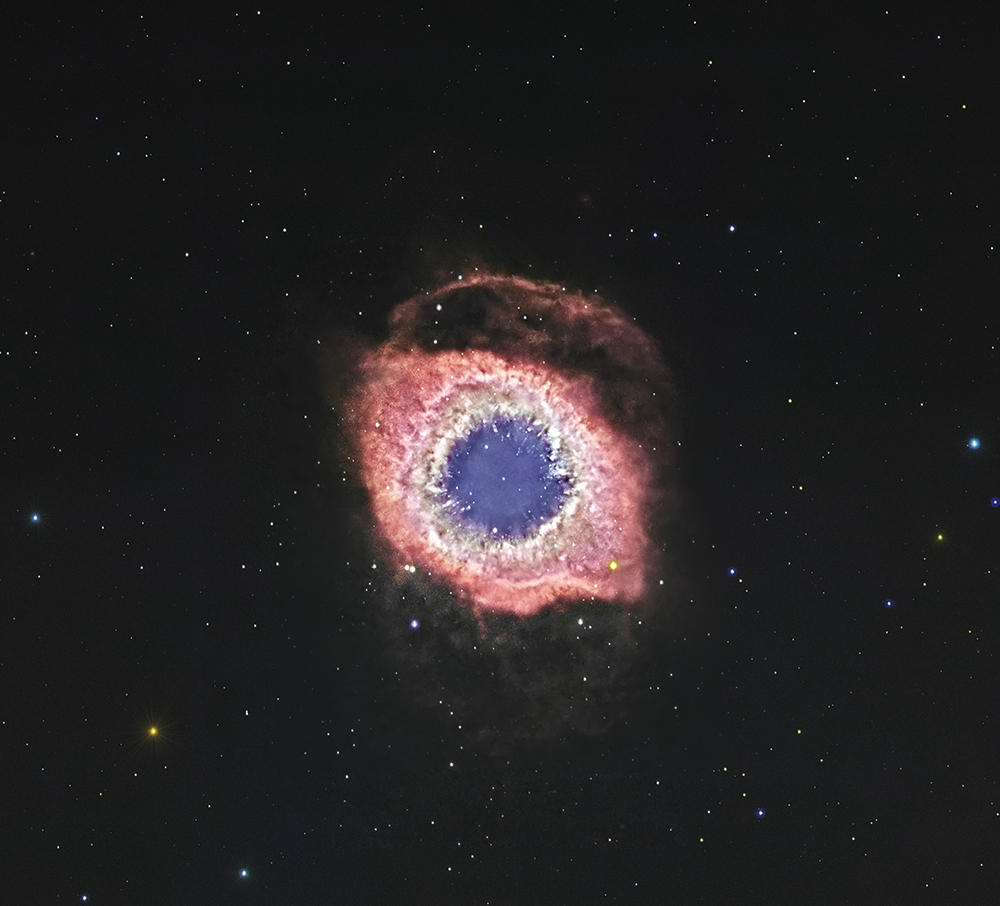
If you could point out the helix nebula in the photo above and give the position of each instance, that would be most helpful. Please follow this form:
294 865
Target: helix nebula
513 441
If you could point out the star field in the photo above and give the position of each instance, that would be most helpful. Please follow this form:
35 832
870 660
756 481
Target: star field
223 685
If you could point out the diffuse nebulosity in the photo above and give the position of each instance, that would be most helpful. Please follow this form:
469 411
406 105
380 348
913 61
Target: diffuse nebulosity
513 441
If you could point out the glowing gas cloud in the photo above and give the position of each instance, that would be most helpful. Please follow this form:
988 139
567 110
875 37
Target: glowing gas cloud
512 439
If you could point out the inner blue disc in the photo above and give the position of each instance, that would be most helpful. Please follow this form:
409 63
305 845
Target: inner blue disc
503 479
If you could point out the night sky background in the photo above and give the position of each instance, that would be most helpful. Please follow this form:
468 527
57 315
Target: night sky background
798 203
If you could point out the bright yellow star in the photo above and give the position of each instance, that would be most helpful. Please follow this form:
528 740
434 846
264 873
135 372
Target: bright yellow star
613 565
155 734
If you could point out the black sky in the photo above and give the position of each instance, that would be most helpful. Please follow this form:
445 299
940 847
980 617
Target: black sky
797 202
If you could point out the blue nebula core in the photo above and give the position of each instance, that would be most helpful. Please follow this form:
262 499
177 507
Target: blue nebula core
503 479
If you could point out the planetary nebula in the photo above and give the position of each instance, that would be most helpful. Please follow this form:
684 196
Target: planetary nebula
511 437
